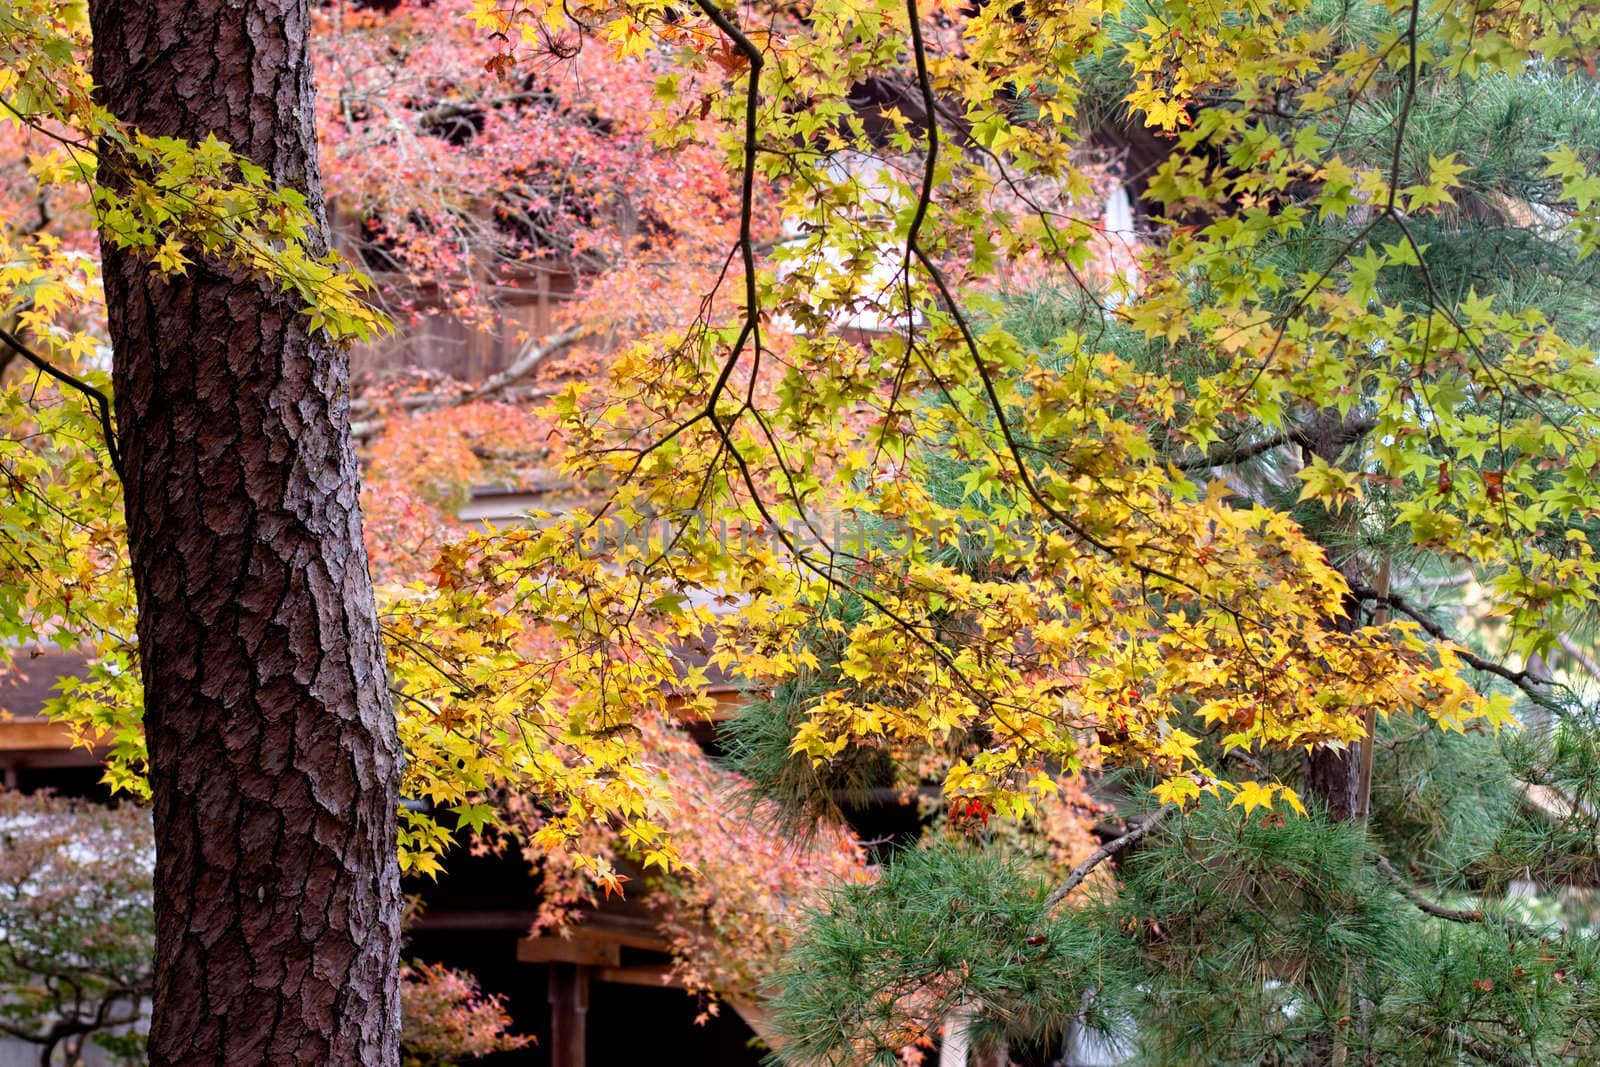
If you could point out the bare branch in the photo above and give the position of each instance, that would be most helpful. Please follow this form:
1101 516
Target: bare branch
1580 657
1105 852
531 359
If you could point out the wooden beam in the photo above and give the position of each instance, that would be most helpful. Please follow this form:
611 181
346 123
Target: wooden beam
33 734
649 940
652 975
585 950
477 919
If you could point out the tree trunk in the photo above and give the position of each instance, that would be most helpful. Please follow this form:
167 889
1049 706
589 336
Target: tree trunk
1333 776
274 760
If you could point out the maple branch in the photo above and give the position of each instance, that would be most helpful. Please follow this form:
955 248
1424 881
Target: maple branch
1388 212
747 197
1405 107
101 402
827 575
970 342
1105 852
1525 680
721 424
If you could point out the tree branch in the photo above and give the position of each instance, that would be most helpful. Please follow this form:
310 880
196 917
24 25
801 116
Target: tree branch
1579 656
1456 915
22 1035
750 330
1422 903
1348 433
1105 852
1013 445
1524 680
1489 1053
101 402
531 359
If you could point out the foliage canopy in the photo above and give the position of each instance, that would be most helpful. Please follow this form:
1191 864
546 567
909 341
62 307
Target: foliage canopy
1152 528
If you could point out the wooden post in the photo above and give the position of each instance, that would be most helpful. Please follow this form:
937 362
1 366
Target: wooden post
569 1013
953 1049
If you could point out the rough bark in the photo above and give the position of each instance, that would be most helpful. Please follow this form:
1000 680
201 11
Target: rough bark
1333 776
273 755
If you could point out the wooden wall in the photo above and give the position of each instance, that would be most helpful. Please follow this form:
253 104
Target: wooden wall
441 343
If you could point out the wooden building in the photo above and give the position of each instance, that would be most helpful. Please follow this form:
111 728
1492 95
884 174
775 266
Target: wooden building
601 997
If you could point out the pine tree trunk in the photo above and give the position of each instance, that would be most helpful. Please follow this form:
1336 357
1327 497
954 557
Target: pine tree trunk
1333 776
273 755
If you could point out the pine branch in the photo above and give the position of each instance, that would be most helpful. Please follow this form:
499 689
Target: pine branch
1580 657
1237 452
1105 852
1422 903
1490 1054
1440 911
